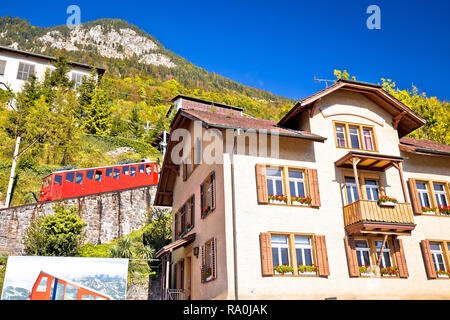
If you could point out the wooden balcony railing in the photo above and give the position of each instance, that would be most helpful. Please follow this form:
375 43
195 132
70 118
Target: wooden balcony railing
364 216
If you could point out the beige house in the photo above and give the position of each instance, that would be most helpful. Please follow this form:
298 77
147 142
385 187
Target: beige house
311 216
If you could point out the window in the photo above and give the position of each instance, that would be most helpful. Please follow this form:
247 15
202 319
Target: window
59 294
78 79
109 173
352 190
363 253
274 181
355 136
116 173
441 195
141 168
90 174
340 136
422 189
372 189
207 194
2 67
386 260
148 169
70 176
126 170
297 183
58 179
42 285
98 176
70 293
87 297
79 179
209 261
303 250
133 172
280 250
25 70
437 255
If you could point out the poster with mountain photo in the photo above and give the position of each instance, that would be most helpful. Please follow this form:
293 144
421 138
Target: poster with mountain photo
61 278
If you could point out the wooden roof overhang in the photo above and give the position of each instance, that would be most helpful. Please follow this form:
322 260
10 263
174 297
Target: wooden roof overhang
183 242
368 161
380 228
404 119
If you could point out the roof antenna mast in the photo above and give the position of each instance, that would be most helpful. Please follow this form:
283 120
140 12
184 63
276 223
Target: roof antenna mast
323 80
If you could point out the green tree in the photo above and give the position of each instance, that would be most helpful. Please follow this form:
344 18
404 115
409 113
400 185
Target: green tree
60 234
135 124
343 75
97 113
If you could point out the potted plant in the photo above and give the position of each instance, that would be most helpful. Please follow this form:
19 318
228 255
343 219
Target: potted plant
188 227
428 210
385 201
206 210
301 201
389 272
283 270
207 274
445 211
277 199
307 270
443 274
366 271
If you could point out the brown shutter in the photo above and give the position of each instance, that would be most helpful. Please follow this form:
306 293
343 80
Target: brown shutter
400 258
184 171
192 211
214 258
213 191
266 254
428 259
350 250
415 201
261 184
203 264
322 256
313 183
202 200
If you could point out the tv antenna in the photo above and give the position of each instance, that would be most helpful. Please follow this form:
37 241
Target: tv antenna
323 80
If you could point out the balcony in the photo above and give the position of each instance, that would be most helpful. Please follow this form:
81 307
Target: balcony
174 294
367 217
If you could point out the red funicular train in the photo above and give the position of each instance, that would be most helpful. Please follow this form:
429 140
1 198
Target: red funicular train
48 287
82 182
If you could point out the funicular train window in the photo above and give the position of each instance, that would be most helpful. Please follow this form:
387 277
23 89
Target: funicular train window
42 285
98 176
148 169
58 179
90 175
70 176
109 173
141 168
126 170
70 292
116 174
133 172
79 179
88 297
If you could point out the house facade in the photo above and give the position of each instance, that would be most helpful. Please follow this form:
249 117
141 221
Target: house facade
16 66
331 202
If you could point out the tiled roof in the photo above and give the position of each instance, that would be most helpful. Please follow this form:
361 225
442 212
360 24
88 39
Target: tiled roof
425 145
215 119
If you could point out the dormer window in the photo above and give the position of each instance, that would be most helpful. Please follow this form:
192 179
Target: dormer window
355 136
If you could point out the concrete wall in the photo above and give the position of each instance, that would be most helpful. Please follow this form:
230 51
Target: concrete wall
108 216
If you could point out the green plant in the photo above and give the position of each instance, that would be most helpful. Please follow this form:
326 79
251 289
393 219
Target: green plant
365 269
302 200
444 210
283 269
384 199
443 272
389 271
207 273
278 197
428 209
304 269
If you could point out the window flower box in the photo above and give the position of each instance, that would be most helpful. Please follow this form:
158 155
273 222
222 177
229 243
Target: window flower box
444 211
385 201
366 271
278 199
307 270
389 272
428 210
443 274
206 211
207 275
301 201
283 270
188 228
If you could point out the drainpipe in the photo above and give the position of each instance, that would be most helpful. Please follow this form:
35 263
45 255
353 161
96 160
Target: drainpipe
233 200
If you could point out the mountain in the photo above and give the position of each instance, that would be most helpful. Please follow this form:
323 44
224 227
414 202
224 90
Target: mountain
122 48
114 287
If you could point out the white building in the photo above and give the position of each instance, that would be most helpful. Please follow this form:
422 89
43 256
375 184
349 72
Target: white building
16 66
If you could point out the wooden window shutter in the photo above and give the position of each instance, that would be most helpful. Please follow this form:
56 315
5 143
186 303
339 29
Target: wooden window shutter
415 201
400 257
203 263
184 171
428 259
213 190
313 183
202 200
266 254
261 184
214 258
322 256
192 211
350 250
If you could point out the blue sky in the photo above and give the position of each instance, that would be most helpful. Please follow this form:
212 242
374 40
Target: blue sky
280 46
